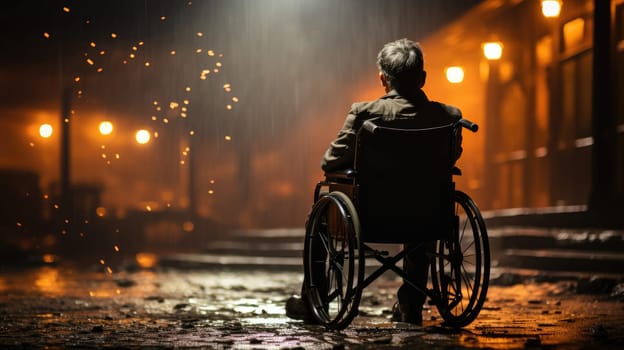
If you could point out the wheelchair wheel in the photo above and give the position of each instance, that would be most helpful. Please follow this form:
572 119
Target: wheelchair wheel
461 271
332 265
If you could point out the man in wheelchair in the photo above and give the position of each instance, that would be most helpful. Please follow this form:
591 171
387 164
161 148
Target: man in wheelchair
404 105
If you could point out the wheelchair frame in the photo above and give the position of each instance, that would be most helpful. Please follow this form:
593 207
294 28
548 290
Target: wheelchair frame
457 291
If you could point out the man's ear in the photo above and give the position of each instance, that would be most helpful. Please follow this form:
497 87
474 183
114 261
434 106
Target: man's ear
382 79
423 79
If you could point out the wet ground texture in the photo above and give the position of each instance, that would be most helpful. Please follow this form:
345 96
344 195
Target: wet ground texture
221 308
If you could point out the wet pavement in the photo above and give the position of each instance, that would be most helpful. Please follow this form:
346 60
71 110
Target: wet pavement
224 308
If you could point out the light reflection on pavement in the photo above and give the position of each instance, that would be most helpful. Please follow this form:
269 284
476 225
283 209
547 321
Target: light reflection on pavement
65 307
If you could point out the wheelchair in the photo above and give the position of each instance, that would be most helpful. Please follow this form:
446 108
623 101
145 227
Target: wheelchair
407 198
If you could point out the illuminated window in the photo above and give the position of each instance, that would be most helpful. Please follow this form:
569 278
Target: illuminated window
573 33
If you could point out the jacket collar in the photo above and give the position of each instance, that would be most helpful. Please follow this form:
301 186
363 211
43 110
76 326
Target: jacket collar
417 98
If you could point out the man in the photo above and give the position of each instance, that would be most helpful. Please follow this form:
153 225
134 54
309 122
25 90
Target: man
402 74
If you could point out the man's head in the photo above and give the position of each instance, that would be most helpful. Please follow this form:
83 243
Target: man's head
400 66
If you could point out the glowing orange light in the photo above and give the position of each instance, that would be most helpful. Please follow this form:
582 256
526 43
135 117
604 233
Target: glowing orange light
106 128
142 136
116 248
551 8
146 260
114 35
228 138
45 130
66 9
92 44
90 61
455 74
210 53
46 35
493 50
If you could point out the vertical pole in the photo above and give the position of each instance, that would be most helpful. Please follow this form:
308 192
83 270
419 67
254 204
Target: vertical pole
603 121
66 197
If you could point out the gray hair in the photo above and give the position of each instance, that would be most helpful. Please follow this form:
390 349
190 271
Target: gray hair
401 62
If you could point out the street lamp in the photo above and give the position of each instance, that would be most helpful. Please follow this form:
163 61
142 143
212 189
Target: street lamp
45 130
455 74
106 128
142 136
551 8
493 50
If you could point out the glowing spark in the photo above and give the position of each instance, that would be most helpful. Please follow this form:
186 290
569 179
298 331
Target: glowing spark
172 52
200 34
131 56
212 181
210 192
91 294
114 35
218 64
183 115
100 70
116 247
154 118
192 132
102 52
117 156
103 155
31 144
173 105
100 211
141 43
77 79
198 51
148 208
155 103
109 270
19 224
46 35
235 99
90 61
147 64
134 48
92 44
188 89
66 9
102 262
181 162
158 108
162 18
228 138
216 70
186 102
165 120
211 53
228 107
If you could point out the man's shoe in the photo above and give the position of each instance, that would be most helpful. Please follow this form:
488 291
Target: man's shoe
399 316
297 309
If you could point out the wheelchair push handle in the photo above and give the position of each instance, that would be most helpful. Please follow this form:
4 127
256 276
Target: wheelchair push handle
468 125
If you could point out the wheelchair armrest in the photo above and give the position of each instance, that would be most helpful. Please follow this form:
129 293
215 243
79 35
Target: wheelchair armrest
341 175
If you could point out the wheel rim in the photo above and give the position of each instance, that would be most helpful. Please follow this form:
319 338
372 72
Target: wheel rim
331 262
463 266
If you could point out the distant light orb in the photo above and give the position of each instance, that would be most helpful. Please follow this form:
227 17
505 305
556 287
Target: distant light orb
142 136
493 50
106 128
551 8
45 130
455 74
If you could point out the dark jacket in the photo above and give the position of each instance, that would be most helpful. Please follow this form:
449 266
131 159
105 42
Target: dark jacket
394 110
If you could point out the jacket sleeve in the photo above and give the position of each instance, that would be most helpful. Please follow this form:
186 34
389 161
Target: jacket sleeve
455 114
341 152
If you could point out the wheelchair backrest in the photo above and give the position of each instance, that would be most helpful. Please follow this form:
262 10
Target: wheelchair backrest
404 188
